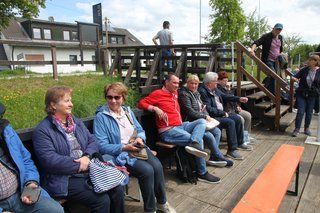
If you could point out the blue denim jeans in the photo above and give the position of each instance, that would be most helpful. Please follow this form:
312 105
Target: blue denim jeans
234 128
151 181
166 52
271 83
45 204
212 140
304 105
184 135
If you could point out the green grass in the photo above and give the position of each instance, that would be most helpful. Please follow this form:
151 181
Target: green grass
24 98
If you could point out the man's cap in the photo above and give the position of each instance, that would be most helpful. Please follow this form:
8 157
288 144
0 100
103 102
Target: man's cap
278 26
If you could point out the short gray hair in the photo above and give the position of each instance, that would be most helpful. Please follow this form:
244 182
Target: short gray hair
210 76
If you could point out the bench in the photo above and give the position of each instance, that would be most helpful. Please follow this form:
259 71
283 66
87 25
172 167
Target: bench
269 189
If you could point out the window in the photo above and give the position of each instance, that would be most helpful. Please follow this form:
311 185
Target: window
120 40
113 40
73 57
74 36
93 57
36 33
66 35
47 33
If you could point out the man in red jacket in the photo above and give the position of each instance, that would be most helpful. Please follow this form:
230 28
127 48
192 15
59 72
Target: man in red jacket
164 103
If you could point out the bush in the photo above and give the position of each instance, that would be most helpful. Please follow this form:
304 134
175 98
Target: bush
24 98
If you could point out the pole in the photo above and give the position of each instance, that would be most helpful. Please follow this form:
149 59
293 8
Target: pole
318 130
259 20
232 61
200 24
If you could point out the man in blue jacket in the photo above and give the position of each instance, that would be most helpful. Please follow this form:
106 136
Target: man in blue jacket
18 175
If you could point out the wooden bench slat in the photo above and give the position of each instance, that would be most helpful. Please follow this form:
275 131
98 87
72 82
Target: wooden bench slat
269 189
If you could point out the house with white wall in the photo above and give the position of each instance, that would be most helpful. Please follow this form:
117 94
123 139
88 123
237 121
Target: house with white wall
31 40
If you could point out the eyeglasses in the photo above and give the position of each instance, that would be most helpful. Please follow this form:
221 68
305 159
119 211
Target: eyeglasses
117 97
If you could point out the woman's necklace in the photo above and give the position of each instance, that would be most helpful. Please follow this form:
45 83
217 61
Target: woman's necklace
120 118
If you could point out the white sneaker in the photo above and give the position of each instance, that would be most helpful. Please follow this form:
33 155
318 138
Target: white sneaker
165 208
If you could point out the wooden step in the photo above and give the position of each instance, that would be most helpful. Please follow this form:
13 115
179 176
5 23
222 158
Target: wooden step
256 96
287 120
249 87
272 112
264 105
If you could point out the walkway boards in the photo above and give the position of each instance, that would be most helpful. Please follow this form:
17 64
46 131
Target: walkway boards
207 198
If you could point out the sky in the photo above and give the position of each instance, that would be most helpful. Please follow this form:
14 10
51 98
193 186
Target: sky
144 18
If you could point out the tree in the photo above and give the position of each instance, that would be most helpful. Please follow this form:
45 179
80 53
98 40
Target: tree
290 43
301 53
25 8
228 21
252 28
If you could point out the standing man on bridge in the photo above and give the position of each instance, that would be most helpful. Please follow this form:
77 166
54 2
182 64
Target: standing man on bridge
272 46
165 37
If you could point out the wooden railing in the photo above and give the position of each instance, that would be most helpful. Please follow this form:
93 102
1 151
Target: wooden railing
280 83
146 62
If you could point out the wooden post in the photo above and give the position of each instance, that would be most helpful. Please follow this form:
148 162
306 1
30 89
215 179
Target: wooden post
239 66
54 62
105 63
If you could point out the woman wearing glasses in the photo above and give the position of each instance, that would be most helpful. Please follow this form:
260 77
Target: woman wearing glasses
116 124
63 146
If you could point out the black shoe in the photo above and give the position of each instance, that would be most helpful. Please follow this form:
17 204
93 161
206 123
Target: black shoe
245 147
209 178
216 162
229 162
196 150
234 155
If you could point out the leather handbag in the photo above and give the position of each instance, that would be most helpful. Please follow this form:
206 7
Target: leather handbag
142 153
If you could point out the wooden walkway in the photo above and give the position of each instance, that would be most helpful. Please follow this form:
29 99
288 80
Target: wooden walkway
222 197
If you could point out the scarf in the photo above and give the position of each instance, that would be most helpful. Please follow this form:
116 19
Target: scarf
68 127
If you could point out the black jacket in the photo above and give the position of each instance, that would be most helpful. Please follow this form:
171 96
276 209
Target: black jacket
189 106
208 99
266 41
303 85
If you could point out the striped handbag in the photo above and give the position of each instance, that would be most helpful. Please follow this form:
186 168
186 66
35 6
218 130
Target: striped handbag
104 176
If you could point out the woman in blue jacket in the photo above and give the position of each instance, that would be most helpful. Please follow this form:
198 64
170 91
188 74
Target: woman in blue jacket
113 126
64 146
17 174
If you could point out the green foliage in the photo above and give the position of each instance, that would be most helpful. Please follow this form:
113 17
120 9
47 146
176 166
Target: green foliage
252 28
228 21
302 51
24 98
25 8
291 42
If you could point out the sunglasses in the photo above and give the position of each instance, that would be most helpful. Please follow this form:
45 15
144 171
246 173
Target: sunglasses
117 97
279 29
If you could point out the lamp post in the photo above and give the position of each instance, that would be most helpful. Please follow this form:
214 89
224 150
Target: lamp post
200 24
259 19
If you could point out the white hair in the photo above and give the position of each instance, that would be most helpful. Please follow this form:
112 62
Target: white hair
210 76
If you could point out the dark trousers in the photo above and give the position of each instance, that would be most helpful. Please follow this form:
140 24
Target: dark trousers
305 105
79 191
234 128
316 105
270 82
151 181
